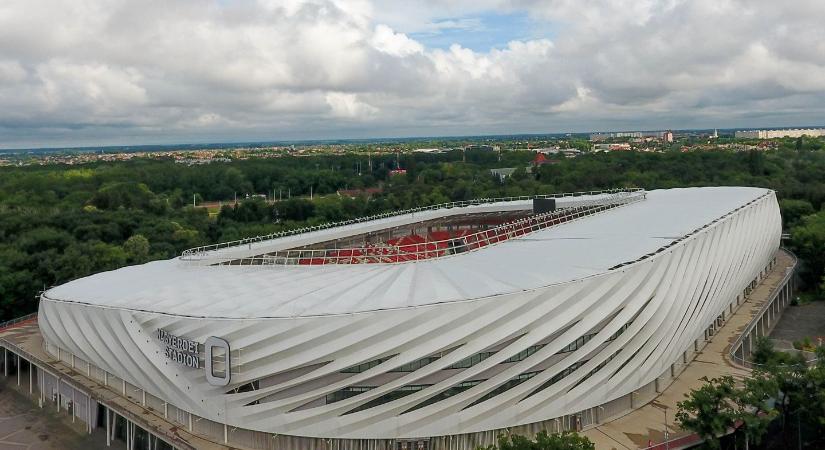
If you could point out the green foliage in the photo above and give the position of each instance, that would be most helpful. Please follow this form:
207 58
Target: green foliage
783 393
543 441
122 195
809 244
765 354
720 405
711 410
794 210
137 249
763 350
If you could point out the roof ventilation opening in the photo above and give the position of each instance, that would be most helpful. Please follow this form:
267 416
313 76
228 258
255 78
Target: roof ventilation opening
544 205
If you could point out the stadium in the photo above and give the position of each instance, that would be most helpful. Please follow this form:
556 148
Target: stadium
439 327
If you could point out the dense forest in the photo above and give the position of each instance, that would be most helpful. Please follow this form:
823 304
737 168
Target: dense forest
62 222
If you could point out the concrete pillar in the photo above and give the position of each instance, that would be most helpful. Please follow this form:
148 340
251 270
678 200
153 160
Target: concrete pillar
89 413
123 384
108 428
17 357
40 389
225 434
31 377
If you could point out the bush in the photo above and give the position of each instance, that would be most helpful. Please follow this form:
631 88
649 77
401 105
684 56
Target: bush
543 441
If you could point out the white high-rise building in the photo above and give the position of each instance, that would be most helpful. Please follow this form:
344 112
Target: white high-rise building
776 134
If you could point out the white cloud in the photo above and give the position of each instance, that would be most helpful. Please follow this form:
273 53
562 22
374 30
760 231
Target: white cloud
348 106
397 44
156 71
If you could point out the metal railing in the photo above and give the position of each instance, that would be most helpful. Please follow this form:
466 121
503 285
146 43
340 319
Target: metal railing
10 323
417 248
197 253
751 326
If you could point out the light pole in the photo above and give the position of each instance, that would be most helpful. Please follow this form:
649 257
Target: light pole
667 434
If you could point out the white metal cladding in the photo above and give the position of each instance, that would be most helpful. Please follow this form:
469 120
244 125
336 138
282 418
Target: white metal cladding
639 319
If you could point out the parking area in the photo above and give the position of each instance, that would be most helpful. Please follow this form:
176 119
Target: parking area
799 322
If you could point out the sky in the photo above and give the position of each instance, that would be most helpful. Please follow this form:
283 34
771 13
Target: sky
127 72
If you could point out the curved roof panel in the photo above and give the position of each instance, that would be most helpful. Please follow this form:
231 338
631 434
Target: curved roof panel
585 247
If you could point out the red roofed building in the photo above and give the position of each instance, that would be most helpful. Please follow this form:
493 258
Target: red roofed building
541 160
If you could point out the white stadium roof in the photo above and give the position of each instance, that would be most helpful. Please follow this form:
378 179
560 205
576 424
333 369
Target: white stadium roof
562 253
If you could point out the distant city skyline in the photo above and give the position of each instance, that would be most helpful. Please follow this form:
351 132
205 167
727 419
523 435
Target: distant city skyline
227 144
132 73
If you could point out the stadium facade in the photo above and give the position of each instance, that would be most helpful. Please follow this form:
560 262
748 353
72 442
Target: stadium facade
436 328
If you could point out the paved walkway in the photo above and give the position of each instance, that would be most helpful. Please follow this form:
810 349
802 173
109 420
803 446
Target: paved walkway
647 424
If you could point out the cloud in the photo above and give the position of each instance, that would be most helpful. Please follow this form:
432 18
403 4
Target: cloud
120 71
384 39
348 106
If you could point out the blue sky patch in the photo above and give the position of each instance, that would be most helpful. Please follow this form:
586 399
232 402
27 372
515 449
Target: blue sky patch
482 32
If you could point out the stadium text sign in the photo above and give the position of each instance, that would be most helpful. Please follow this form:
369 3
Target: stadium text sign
180 350
217 355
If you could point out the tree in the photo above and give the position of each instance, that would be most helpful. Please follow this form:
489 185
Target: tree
711 410
137 249
763 351
794 210
755 406
123 195
295 209
557 441
808 241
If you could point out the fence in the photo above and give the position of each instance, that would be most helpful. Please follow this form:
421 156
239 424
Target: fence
198 253
422 248
765 319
